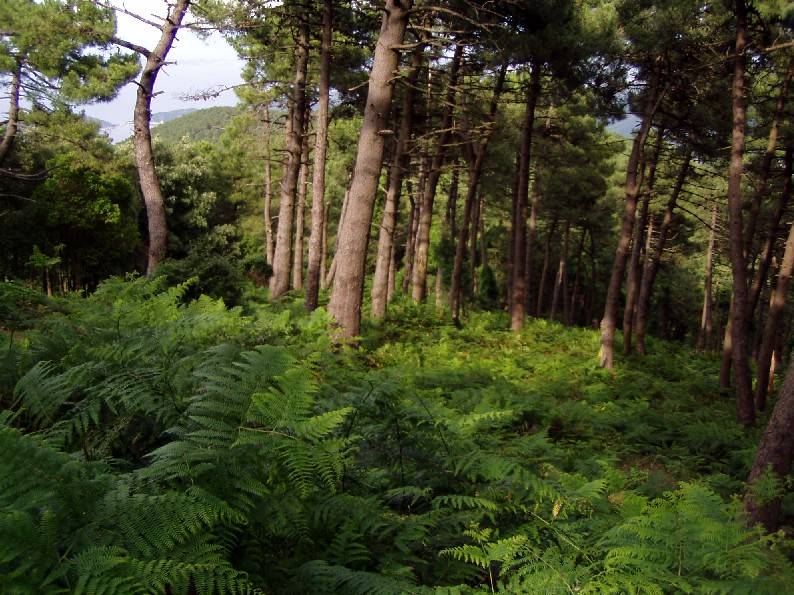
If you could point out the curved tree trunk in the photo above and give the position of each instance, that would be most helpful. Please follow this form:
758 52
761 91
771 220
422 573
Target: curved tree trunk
348 291
636 269
316 236
142 137
649 274
634 173
282 257
773 323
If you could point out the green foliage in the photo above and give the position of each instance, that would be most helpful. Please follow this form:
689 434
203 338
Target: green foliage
153 446
201 125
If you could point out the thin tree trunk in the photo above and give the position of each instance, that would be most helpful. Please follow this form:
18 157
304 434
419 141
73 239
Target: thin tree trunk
400 161
476 162
142 136
421 256
300 215
634 173
268 190
13 111
704 334
324 248
348 291
561 281
745 408
544 274
649 274
635 265
410 242
317 235
518 298
777 301
532 237
576 300
282 257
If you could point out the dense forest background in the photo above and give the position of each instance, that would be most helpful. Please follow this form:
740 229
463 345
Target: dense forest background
462 297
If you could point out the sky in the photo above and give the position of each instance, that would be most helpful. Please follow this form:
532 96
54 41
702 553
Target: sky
197 65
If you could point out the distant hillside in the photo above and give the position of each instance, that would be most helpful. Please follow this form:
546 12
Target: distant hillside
205 124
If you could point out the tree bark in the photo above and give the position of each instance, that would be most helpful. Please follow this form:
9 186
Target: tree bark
775 452
316 247
518 288
400 161
778 300
268 199
634 173
282 257
142 137
561 282
300 216
544 274
636 271
348 291
704 334
649 274
421 256
745 408
476 160
13 111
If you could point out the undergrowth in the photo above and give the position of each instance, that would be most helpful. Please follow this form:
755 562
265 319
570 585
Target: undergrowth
154 445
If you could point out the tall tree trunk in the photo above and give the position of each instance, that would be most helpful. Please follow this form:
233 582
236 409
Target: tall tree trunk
318 224
142 136
422 254
704 334
410 242
400 161
348 291
649 274
745 408
282 257
476 160
300 215
518 288
634 173
778 300
544 274
561 282
576 299
775 452
268 198
636 271
13 111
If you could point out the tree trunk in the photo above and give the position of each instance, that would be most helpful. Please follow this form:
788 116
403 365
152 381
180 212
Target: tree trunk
518 288
421 256
400 161
410 242
318 225
561 282
704 334
649 274
636 270
775 453
544 274
745 408
778 300
282 257
476 160
300 215
634 173
142 137
13 111
348 291
268 200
